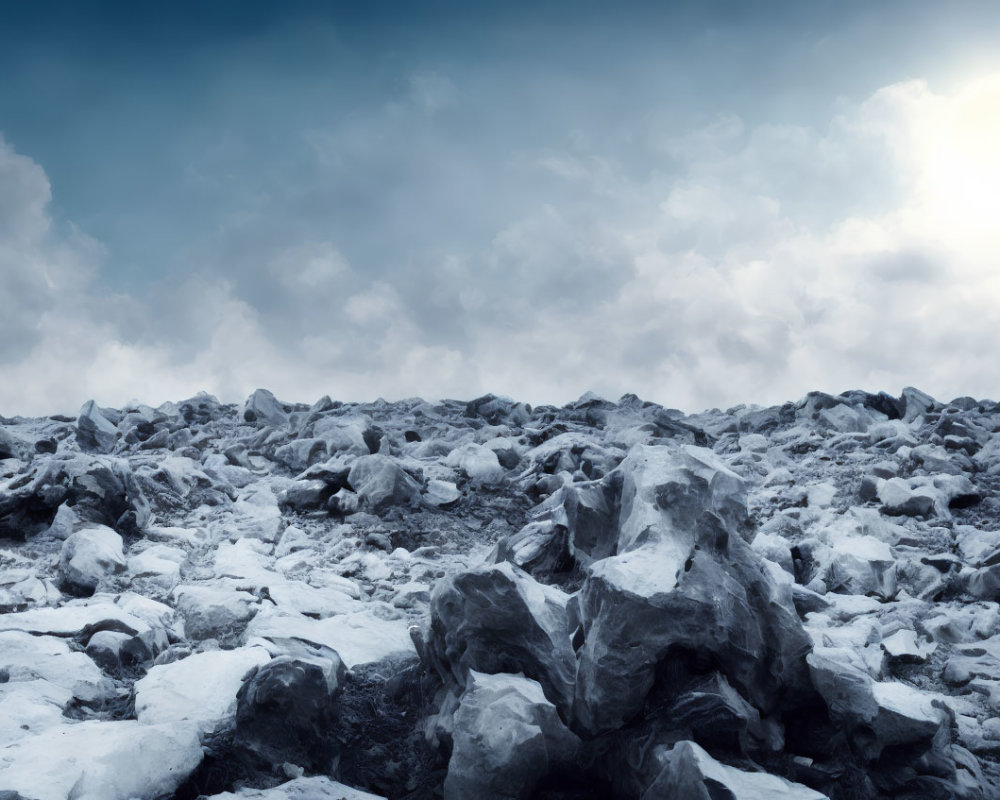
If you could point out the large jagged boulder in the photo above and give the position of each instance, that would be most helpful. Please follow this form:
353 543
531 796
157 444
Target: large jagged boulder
94 431
119 760
573 527
380 482
877 714
30 509
262 409
689 773
506 737
683 583
286 712
499 619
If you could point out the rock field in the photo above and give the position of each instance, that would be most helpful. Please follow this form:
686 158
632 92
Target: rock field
486 600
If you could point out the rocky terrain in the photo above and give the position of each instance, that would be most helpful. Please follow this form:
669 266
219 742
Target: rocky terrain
488 600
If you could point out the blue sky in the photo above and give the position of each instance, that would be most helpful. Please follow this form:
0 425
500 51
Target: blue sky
700 202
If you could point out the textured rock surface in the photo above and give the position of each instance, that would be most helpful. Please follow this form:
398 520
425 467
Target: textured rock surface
486 599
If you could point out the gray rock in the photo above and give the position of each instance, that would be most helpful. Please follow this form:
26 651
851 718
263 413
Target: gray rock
684 580
689 773
381 482
305 495
916 403
113 651
215 612
499 619
507 737
442 494
94 431
262 409
900 500
877 714
286 712
87 557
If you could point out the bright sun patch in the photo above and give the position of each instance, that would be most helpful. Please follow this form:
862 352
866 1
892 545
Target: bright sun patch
962 166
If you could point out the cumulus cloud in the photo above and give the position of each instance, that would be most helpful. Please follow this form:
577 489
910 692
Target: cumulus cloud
748 262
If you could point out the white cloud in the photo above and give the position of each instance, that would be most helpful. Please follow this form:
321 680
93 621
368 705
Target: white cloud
768 261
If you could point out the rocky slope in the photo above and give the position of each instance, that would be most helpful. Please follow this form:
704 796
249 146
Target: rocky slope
488 600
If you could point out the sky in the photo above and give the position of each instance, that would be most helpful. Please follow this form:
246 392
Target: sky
703 203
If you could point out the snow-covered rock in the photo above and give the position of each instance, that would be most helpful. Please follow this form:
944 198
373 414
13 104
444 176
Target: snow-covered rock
98 760
200 689
689 773
507 737
88 556
94 431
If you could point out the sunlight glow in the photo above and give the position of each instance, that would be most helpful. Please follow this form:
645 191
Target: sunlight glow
961 181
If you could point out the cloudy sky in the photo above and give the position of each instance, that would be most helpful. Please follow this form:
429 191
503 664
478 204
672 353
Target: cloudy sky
703 203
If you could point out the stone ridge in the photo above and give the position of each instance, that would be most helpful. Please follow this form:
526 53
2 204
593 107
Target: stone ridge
487 599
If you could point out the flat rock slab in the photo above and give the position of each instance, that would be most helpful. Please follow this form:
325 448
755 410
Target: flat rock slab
74 620
98 760
200 689
358 638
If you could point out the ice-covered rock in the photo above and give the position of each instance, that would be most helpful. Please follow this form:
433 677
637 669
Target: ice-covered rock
900 499
199 690
262 408
361 637
97 760
380 481
681 549
879 714
689 773
25 658
214 612
94 431
442 494
312 788
286 712
479 464
507 736
499 619
159 562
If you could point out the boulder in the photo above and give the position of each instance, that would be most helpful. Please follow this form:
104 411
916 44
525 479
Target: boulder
12 446
87 557
506 738
442 494
115 651
496 410
94 431
499 619
286 712
380 482
689 773
299 454
26 658
684 585
359 637
262 409
214 612
858 565
479 464
916 403
899 499
878 714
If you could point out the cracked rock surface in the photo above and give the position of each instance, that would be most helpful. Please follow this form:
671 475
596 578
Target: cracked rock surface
487 599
